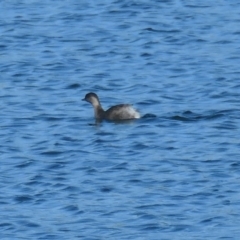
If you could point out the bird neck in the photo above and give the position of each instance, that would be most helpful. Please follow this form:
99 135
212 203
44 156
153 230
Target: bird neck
99 112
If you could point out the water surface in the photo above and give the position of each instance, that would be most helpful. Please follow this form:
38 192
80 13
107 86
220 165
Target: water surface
173 176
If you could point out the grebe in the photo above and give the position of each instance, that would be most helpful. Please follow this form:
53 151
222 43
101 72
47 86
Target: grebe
114 113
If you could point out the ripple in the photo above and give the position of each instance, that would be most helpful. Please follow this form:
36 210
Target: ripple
52 153
23 199
73 86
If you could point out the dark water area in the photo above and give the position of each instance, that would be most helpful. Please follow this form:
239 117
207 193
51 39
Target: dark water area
174 174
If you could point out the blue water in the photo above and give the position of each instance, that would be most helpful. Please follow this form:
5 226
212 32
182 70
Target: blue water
173 176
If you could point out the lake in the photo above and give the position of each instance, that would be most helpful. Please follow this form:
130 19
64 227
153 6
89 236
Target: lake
173 174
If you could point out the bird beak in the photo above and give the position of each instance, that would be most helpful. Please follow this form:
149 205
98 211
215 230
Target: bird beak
83 99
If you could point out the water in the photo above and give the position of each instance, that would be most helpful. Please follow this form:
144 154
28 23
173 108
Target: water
173 176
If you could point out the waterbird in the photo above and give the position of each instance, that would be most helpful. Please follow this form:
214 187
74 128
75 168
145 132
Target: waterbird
114 113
